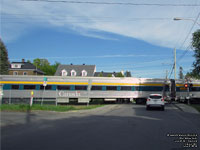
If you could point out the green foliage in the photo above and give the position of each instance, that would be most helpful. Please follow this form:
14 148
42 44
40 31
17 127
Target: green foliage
100 75
44 65
119 75
110 75
196 106
196 45
4 63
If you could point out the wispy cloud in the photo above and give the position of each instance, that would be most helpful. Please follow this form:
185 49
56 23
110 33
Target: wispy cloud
86 20
91 57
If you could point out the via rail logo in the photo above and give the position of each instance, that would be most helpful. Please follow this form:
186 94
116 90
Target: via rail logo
69 94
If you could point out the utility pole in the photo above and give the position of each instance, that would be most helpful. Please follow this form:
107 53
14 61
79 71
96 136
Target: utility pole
166 74
174 63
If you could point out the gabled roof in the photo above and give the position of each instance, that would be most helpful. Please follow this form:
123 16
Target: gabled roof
105 74
26 66
90 69
127 74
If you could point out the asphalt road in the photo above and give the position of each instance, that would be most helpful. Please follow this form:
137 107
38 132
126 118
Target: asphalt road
113 127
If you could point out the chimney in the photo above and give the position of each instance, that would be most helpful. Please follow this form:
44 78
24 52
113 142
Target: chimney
23 60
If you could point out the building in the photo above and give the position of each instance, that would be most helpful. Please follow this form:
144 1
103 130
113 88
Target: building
76 70
112 74
24 68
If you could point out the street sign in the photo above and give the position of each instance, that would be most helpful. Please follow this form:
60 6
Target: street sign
45 78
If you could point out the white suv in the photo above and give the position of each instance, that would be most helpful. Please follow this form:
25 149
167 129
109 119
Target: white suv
155 100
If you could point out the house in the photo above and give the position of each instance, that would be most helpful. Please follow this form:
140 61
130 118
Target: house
76 70
112 74
24 68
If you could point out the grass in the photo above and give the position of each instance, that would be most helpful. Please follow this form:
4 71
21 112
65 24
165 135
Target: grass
196 106
59 108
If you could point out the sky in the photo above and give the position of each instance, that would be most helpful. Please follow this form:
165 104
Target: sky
130 35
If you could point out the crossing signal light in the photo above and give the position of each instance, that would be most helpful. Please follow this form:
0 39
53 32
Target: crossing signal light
186 85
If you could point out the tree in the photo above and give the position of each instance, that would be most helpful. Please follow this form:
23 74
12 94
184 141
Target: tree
196 45
100 75
109 75
4 63
44 65
119 74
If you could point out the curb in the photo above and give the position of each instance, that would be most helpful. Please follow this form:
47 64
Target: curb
178 107
186 108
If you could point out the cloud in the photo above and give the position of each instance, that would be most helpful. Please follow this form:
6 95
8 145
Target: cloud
90 20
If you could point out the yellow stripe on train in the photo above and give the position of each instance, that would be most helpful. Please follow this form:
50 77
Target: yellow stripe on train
80 83
182 85
31 82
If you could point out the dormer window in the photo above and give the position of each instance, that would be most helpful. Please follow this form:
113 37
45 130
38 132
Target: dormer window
73 73
84 73
16 66
64 72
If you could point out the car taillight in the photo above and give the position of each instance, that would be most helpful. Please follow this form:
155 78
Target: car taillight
162 99
148 99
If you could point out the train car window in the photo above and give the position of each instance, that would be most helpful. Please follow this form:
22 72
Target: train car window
63 87
48 87
29 87
80 87
137 88
166 87
149 88
111 88
15 87
195 89
97 88
125 88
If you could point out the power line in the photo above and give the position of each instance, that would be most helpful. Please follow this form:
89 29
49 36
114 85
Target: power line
187 49
190 30
113 3
77 19
184 53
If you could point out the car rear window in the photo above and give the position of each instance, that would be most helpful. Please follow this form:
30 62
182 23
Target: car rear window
156 97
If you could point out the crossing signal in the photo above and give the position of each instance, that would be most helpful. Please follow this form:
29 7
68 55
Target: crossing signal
186 85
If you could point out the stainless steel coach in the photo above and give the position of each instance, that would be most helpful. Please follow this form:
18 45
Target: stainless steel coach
80 89
87 89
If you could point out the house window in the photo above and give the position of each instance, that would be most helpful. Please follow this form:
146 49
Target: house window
15 73
15 65
73 73
84 73
64 72
25 73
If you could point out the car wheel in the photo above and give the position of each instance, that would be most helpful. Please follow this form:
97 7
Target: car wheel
147 107
163 108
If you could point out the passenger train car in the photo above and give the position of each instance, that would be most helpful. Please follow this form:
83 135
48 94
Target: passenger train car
87 89
192 92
